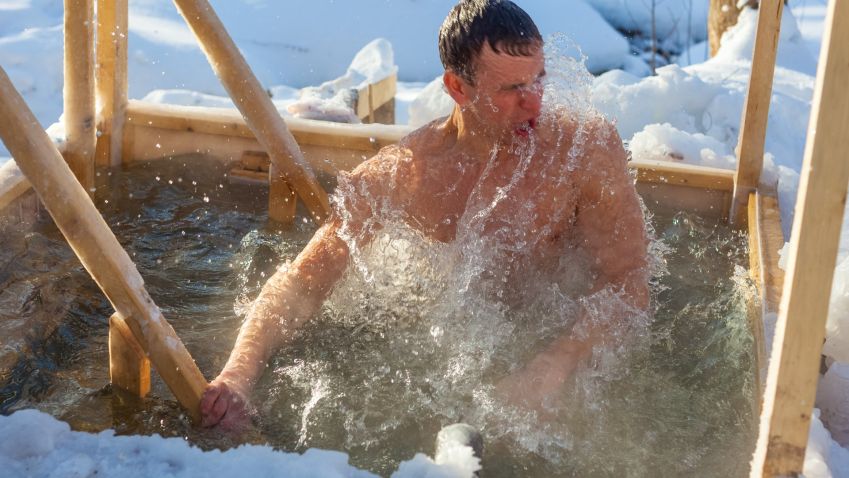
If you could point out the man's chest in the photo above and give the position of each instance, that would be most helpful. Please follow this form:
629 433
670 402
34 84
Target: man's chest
515 209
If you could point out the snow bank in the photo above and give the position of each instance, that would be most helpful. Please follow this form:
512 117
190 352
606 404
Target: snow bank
738 43
332 100
33 443
678 22
300 46
433 102
824 458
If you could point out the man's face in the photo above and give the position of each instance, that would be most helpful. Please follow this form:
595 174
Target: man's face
506 97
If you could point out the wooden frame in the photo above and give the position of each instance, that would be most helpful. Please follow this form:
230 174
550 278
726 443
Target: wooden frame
13 183
750 147
129 367
766 240
376 101
223 133
79 90
111 79
794 363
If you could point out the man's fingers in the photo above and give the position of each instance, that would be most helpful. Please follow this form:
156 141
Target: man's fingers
221 406
213 404
207 399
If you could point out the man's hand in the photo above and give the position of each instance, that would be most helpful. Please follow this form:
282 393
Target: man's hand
544 376
222 405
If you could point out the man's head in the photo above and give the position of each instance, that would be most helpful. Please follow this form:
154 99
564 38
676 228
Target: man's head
501 24
492 53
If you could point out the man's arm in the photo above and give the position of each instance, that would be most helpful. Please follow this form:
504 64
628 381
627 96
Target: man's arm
292 296
610 227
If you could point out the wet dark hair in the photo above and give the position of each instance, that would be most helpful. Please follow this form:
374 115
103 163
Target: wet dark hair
501 23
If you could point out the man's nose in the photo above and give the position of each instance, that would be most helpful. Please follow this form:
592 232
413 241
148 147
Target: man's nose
532 99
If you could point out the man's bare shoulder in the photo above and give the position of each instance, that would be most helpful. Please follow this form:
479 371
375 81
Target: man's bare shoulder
399 160
591 130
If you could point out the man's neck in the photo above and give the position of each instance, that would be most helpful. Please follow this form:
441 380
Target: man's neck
469 138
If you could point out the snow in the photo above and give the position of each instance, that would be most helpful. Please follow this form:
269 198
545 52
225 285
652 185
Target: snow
677 22
310 55
33 443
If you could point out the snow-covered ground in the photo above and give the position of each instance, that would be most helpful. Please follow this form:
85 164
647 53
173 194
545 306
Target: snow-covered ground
689 110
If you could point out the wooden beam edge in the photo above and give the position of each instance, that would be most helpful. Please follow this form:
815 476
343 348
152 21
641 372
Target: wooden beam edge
229 122
679 174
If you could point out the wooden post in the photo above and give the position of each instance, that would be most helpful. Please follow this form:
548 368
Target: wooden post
129 368
750 146
111 75
794 363
78 93
96 246
375 102
254 104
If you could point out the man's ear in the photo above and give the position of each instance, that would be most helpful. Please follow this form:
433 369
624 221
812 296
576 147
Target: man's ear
456 88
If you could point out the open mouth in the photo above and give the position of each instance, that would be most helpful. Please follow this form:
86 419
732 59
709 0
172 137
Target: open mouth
525 128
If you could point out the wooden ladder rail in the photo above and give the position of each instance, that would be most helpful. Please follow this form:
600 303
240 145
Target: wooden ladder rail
97 248
794 363
750 145
289 170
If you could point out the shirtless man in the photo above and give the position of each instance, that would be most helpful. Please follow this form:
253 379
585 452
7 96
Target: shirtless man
494 68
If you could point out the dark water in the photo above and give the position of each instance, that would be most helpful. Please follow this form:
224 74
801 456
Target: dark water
681 405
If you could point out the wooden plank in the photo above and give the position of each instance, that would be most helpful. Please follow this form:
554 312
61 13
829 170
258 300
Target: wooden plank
768 229
766 239
795 359
246 176
370 138
95 245
755 303
111 79
229 122
78 90
681 174
750 145
13 183
374 95
255 161
253 101
129 368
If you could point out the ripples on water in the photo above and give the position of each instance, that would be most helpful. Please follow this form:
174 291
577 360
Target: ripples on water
412 339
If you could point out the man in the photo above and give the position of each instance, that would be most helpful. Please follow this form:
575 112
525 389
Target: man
496 139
